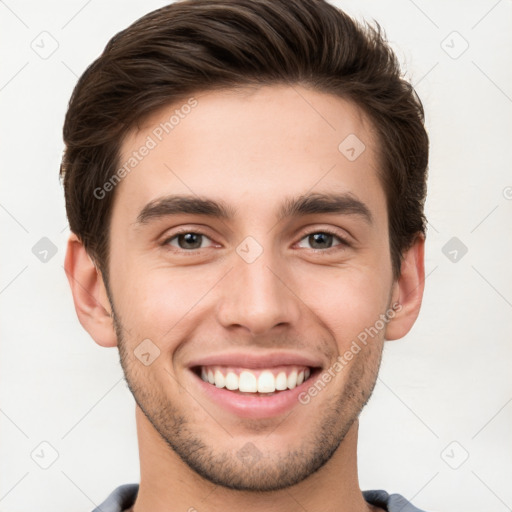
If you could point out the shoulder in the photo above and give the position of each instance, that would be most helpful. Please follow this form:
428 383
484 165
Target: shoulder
390 502
121 498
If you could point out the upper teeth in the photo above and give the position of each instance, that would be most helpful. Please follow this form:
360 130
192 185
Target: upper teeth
252 381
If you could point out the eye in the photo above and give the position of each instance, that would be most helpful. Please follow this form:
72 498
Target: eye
187 241
323 240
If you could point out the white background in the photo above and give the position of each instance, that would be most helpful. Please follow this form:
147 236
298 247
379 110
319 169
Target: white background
448 380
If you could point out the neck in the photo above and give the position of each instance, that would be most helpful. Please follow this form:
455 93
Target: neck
168 484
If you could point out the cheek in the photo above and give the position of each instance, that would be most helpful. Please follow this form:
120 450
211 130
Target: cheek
348 301
153 302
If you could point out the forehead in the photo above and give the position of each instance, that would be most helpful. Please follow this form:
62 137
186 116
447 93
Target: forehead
257 114
248 144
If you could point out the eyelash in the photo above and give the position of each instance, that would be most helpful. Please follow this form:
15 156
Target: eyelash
342 245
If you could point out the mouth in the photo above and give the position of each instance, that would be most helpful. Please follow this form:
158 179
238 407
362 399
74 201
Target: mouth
251 382
254 392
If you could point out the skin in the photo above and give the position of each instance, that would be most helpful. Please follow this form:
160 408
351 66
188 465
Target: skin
251 148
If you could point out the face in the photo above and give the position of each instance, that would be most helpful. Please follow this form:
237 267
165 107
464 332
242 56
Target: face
271 265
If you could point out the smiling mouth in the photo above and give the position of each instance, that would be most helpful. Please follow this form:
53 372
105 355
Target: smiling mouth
255 382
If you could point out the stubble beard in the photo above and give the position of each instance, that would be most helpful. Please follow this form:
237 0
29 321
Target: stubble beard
267 471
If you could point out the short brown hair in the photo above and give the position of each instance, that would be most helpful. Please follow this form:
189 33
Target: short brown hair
199 45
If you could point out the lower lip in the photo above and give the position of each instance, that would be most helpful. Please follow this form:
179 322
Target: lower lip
254 407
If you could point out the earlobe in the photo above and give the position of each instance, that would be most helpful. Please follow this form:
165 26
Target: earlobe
89 294
408 291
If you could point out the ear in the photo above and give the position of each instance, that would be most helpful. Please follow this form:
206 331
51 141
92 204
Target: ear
89 294
408 291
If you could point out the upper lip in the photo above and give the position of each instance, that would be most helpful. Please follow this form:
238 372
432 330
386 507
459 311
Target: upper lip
252 360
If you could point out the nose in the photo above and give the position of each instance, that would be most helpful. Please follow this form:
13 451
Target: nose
258 296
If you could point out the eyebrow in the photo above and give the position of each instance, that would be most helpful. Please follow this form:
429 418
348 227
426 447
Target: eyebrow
341 204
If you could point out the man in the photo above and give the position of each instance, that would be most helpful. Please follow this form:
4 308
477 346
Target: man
245 184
